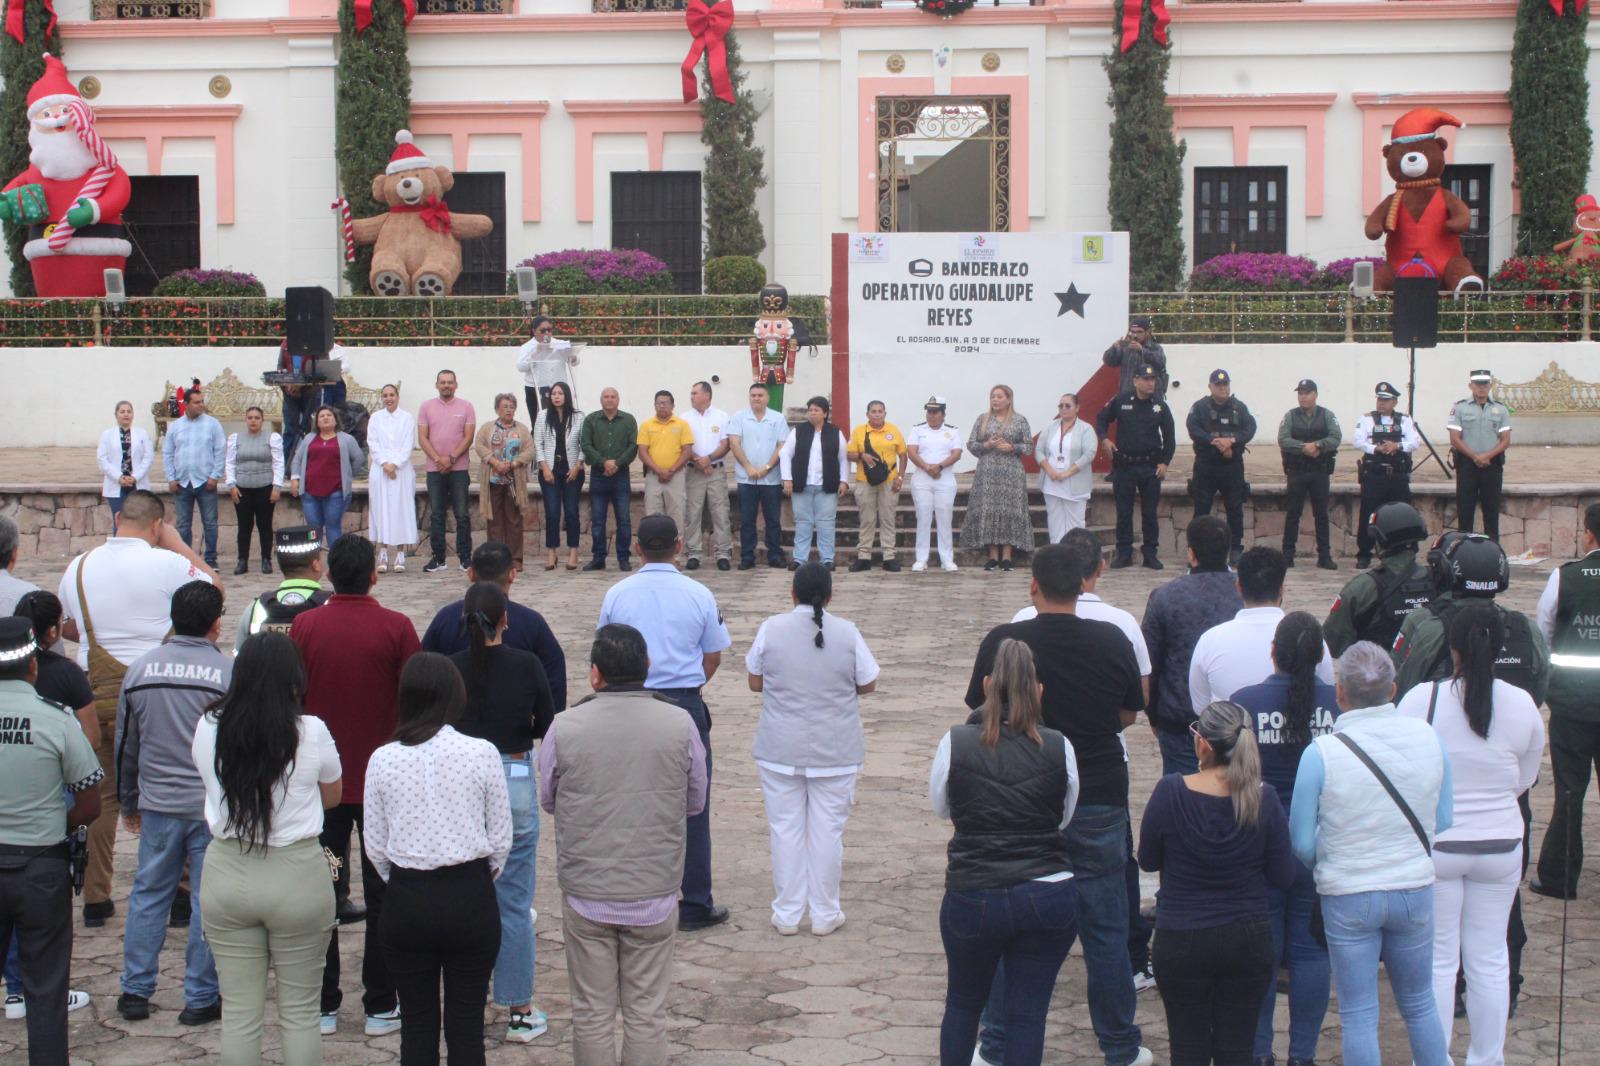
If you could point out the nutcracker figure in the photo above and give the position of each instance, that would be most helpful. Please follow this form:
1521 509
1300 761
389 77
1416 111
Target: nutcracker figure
773 348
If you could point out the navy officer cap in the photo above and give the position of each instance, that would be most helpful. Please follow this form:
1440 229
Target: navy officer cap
1386 391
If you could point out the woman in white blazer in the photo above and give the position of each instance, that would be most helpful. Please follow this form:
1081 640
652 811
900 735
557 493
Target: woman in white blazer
1065 453
124 455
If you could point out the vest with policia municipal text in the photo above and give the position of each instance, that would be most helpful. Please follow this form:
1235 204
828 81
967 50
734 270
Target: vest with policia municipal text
1391 433
1517 663
1307 433
276 611
1575 647
1398 596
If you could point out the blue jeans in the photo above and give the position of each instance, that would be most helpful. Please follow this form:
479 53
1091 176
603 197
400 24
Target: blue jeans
1289 914
13 970
611 491
814 514
513 968
1397 927
696 901
453 485
768 499
164 843
116 506
183 508
1030 927
1177 753
1097 842
560 498
325 514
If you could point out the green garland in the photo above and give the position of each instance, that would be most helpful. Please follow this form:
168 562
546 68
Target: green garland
945 8
372 102
1550 133
1146 193
734 166
20 66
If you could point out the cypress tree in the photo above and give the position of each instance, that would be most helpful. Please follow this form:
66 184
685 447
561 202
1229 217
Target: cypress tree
372 102
734 165
1549 119
1146 194
20 66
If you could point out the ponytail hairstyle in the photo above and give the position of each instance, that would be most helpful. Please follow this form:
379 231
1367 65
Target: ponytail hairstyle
1012 700
1297 651
485 607
1226 727
813 588
1476 636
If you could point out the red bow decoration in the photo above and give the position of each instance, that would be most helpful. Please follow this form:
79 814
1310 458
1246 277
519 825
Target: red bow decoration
708 25
1559 6
15 10
1133 15
434 211
364 13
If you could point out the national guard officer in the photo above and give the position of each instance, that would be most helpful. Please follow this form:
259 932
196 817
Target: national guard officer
1220 426
1373 604
1386 439
1308 437
42 751
299 552
1569 618
1146 438
1480 432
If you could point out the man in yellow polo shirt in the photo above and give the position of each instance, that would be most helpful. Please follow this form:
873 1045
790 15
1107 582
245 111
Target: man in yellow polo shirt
665 444
878 449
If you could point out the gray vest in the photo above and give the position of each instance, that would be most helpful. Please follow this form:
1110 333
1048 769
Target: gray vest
810 716
252 460
622 801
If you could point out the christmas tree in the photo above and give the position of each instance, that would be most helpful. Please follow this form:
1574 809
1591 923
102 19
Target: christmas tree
1146 195
734 166
373 101
1550 133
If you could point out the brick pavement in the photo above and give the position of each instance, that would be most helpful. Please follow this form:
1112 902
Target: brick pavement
873 991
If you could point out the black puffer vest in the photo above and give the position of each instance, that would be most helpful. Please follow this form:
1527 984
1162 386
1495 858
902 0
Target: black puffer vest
1006 805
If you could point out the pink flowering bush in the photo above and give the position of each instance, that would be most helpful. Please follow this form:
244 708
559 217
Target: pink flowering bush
598 272
1254 272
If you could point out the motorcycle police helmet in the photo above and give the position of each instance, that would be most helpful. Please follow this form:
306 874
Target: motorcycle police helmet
1396 525
1470 564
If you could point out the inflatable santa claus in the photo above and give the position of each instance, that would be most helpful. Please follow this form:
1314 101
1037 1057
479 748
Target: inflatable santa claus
72 195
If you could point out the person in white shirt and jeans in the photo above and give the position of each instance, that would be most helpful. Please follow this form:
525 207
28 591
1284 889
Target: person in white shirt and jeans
707 479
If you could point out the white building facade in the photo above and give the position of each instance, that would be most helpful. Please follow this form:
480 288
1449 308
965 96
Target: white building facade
565 120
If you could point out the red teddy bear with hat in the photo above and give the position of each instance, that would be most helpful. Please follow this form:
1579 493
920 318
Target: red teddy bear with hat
1421 221
72 195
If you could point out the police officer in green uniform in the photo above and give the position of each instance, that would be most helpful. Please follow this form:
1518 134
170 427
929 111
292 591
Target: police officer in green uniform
1220 426
299 552
42 751
1480 432
1569 616
1373 604
1468 566
1308 438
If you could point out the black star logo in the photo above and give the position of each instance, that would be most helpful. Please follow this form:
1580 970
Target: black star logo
1072 300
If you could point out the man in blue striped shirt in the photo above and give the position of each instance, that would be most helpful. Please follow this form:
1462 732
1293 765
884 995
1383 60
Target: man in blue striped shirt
192 455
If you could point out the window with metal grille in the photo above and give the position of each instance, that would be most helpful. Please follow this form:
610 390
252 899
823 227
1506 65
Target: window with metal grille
603 6
464 7
659 212
1470 181
150 9
163 220
1239 209
483 262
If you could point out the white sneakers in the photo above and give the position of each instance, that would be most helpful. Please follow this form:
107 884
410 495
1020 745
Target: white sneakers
383 561
400 562
921 565
1143 980
785 930
17 1007
328 1023
824 928
1145 1057
383 1024
524 1028
949 567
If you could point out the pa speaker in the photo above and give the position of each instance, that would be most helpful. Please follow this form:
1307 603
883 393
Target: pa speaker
1361 279
527 284
1416 312
116 290
309 321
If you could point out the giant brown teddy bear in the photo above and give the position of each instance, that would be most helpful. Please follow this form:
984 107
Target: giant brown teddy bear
1421 221
418 241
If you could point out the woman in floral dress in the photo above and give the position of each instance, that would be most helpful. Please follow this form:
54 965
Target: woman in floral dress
997 503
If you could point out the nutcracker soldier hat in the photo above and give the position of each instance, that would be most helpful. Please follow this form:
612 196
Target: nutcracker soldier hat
53 87
774 301
1421 124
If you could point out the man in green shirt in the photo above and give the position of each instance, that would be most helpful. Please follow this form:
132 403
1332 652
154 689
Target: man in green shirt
42 751
1373 605
1480 432
1308 439
610 440
299 552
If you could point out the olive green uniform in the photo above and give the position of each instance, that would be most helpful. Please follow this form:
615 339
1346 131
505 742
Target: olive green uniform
1353 610
1423 639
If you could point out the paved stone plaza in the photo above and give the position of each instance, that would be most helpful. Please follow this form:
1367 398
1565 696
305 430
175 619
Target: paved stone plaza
872 992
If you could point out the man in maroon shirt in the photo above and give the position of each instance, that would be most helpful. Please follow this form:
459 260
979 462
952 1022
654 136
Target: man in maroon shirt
353 650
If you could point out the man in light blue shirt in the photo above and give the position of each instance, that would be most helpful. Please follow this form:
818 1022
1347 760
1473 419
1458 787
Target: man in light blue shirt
192 455
684 631
754 437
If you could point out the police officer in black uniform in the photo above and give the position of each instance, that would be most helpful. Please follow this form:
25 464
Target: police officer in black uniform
1146 438
42 751
1386 438
1220 426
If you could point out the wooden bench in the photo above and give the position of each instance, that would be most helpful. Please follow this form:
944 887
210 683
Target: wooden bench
227 399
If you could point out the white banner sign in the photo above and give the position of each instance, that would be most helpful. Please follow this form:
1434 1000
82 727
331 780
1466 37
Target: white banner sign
987 294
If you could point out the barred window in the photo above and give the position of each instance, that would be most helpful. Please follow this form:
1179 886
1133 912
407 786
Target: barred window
151 9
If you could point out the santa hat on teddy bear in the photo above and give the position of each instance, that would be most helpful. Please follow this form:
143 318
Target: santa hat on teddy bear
53 87
407 156
1421 124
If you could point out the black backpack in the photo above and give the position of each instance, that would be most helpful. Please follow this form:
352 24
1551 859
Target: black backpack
1398 596
280 614
1517 663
